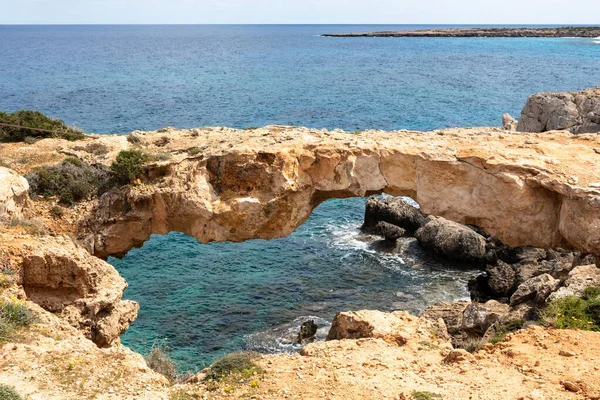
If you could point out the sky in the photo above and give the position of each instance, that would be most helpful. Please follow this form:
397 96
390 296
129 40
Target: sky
300 12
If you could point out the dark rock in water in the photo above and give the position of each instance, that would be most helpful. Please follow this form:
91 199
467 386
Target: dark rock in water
388 231
394 211
498 283
501 279
453 241
307 331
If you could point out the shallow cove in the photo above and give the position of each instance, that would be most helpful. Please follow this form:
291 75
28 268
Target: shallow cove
208 300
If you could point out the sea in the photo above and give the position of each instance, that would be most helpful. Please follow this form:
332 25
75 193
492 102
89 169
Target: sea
206 300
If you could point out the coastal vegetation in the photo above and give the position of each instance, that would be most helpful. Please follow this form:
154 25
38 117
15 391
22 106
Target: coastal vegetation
27 126
158 359
71 181
128 165
9 393
13 316
74 180
575 312
241 364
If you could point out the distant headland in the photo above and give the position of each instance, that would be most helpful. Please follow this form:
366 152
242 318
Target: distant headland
562 32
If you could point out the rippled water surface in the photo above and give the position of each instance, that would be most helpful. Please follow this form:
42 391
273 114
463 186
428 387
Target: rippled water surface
211 299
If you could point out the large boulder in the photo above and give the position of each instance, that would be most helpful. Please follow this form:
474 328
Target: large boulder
498 282
394 211
576 112
580 278
536 289
477 318
453 241
388 231
14 195
397 327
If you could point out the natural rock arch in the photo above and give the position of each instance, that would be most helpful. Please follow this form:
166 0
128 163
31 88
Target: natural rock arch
268 191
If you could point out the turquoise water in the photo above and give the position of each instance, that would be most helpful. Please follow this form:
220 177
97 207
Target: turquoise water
211 299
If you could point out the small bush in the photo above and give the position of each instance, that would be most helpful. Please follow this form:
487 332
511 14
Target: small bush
241 363
163 141
472 344
71 181
32 227
34 119
574 312
158 360
97 149
418 395
57 211
194 151
13 315
504 329
9 393
30 140
128 165
133 139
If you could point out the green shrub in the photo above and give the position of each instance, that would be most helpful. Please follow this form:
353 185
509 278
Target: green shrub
158 360
574 312
9 393
418 395
503 329
13 315
57 211
97 149
71 181
241 363
133 139
128 165
194 151
472 344
34 119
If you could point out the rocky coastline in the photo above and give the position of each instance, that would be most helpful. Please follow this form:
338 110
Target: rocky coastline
562 32
523 207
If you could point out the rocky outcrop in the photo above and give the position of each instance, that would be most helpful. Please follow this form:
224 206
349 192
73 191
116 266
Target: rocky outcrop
575 112
452 241
509 123
397 327
14 195
65 279
580 278
535 289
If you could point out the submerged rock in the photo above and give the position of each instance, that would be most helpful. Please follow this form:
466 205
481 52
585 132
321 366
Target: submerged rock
394 211
308 330
453 241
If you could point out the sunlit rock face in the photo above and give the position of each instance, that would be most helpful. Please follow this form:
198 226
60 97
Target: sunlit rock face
526 189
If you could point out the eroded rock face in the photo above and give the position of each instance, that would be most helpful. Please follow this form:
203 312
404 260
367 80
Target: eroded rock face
14 195
397 327
580 278
576 112
65 279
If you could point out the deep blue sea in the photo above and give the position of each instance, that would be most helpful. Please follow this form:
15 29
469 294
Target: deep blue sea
207 300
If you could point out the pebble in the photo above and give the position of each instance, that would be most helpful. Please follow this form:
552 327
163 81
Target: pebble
571 386
567 353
